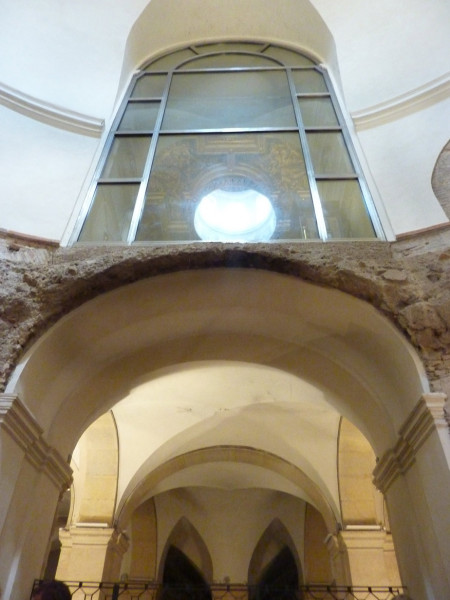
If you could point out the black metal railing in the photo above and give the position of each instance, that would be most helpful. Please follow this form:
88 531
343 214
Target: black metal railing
152 591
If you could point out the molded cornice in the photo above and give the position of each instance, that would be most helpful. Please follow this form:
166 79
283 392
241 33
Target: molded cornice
18 422
48 113
427 416
379 114
403 105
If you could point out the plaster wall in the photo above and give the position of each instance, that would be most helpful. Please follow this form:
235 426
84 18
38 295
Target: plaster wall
228 403
42 170
401 155
59 56
68 54
386 49
75 44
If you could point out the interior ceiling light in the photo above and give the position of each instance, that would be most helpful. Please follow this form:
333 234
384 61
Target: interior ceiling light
235 216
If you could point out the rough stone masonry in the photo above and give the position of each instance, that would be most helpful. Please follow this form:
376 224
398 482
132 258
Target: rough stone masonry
407 280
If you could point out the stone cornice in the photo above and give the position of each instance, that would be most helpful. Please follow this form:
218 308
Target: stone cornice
94 534
20 425
427 416
48 113
404 104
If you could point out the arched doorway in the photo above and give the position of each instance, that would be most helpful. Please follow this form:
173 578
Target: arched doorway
275 570
181 573
279 580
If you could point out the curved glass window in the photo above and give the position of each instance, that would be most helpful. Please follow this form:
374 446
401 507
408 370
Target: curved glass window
228 142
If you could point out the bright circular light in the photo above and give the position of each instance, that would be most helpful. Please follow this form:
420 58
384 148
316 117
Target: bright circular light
242 216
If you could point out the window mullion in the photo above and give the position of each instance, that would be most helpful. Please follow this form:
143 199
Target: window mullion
140 199
367 198
321 226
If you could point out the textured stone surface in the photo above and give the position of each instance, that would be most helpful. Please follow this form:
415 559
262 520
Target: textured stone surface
440 180
408 281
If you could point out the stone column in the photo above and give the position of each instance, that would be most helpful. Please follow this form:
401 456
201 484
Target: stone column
414 477
33 477
91 552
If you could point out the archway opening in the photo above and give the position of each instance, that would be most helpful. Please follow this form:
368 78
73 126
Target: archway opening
279 580
180 574
224 364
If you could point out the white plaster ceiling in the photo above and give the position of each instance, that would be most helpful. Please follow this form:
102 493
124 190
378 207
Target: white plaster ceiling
218 403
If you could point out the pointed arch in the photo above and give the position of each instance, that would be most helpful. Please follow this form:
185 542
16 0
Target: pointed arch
187 540
275 555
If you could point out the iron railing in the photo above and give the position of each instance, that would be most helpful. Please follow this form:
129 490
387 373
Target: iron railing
152 591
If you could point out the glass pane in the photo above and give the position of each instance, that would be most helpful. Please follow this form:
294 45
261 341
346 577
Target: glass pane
188 168
288 57
225 61
149 86
329 154
308 81
344 210
229 100
139 116
126 158
110 216
167 63
225 47
317 112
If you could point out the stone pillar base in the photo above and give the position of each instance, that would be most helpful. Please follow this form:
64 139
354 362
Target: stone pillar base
371 557
91 553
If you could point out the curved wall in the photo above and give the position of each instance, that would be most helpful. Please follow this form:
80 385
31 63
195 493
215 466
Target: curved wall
58 61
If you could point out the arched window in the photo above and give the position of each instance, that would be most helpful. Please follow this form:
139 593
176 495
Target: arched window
229 142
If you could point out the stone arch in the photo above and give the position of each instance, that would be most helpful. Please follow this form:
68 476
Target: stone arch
53 292
272 541
186 538
83 365
112 352
144 483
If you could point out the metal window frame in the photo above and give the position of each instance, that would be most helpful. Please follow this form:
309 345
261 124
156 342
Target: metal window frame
155 133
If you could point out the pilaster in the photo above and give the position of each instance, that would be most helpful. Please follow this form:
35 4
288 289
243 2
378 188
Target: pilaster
370 555
414 476
31 469
91 552
20 425
428 416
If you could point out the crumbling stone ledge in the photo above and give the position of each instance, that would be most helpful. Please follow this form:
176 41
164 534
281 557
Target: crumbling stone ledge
408 281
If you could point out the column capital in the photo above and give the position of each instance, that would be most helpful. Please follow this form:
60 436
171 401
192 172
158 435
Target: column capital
427 416
18 422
